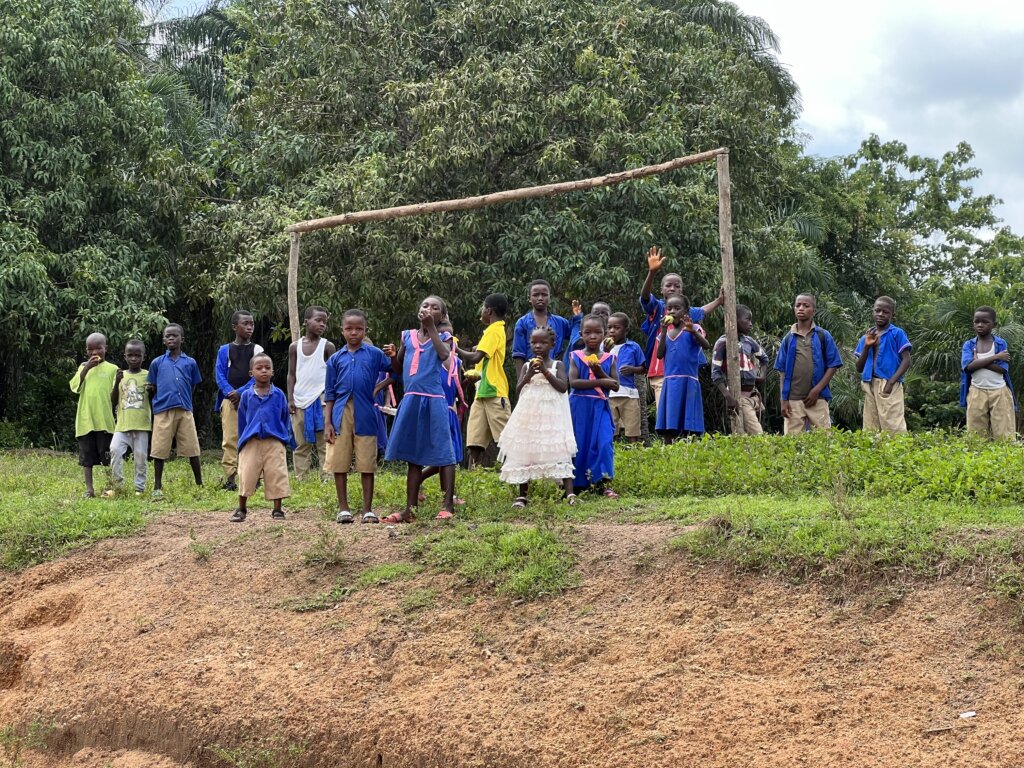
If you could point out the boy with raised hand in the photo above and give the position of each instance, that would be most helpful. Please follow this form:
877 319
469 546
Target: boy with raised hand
94 419
307 378
539 294
629 361
134 418
264 430
232 374
808 359
985 388
491 408
883 357
745 410
171 379
654 309
350 418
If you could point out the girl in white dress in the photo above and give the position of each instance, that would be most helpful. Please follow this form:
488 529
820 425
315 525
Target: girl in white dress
538 440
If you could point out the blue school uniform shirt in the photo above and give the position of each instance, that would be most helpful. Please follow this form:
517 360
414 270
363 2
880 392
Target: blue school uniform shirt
884 357
352 376
525 326
629 354
264 417
967 355
174 380
824 352
654 313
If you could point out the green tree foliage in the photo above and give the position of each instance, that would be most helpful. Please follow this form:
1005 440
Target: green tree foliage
87 187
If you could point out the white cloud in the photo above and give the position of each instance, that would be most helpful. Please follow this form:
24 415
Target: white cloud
930 74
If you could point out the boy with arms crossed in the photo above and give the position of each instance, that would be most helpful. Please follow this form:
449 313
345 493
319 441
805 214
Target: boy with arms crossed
985 388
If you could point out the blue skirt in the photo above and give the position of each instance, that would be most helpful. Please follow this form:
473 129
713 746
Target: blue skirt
456 430
594 432
421 433
681 408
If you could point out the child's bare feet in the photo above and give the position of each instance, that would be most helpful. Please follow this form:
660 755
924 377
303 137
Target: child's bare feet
399 517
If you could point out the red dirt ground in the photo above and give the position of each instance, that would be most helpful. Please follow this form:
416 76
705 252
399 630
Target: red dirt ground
140 654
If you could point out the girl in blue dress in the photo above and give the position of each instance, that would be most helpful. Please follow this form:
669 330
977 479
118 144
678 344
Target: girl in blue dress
592 375
681 408
451 382
421 434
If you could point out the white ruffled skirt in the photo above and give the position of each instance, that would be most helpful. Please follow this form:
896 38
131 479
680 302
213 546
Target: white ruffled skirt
538 440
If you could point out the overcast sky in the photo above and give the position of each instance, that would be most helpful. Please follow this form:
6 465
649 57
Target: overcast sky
929 73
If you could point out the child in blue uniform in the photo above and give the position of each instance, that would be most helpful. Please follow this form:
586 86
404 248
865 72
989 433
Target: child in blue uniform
681 408
453 396
421 435
591 376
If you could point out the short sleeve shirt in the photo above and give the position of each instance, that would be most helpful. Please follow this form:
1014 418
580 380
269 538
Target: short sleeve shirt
493 381
95 413
174 380
133 412
886 356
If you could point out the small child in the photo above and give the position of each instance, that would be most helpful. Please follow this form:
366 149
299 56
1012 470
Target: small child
629 360
94 419
808 358
591 374
232 374
539 294
654 308
538 441
264 431
421 435
170 382
681 408
491 408
745 411
307 379
883 356
134 417
350 418
985 388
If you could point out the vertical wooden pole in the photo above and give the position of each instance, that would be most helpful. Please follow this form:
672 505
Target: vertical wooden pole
293 286
732 346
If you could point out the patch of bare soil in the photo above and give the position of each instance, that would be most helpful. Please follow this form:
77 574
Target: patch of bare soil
141 653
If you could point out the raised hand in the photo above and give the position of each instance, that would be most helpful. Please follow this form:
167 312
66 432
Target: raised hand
655 259
577 308
389 350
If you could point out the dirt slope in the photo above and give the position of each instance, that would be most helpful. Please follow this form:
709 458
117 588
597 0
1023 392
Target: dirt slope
142 655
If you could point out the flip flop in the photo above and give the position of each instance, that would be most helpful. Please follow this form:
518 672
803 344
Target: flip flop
608 493
519 503
571 499
344 516
444 514
369 517
398 517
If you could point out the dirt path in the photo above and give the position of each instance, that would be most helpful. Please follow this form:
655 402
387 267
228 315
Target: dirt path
143 655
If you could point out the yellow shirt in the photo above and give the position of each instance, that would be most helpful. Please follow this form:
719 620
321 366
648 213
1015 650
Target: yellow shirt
493 382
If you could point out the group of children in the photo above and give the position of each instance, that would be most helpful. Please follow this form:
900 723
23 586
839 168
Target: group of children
577 391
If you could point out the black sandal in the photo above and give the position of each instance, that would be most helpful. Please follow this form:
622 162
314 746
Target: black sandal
238 516
277 514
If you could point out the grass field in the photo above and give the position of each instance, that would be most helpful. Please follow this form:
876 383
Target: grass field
832 506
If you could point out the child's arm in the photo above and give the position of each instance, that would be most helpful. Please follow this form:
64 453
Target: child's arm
868 340
382 385
815 393
654 262
220 373
525 375
711 306
443 350
699 337
151 379
329 420
470 356
292 365
904 367
115 393
558 379
611 382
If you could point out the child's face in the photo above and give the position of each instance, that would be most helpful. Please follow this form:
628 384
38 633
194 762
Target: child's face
983 323
882 313
744 322
540 343
316 324
353 328
540 297
96 346
133 354
262 370
676 307
244 327
671 285
617 330
602 309
486 314
804 308
172 338
433 306
592 333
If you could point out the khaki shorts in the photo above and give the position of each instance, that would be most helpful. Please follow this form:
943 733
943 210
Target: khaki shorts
626 415
269 458
747 421
348 445
168 425
818 417
656 383
487 419
990 413
883 413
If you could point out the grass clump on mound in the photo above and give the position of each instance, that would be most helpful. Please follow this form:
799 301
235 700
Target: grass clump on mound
518 561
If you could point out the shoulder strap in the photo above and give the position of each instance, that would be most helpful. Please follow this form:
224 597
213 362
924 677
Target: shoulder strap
821 343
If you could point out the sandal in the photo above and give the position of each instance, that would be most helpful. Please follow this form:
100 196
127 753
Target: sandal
344 516
571 499
277 514
238 516
444 514
369 517
608 493
460 502
398 517
519 503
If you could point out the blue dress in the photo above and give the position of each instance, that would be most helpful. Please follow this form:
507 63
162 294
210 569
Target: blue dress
681 408
420 434
592 426
453 392
382 423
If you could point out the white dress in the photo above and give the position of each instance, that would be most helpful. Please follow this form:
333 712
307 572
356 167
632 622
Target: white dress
538 440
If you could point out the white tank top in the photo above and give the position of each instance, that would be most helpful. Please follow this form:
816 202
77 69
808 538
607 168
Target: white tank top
310 374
